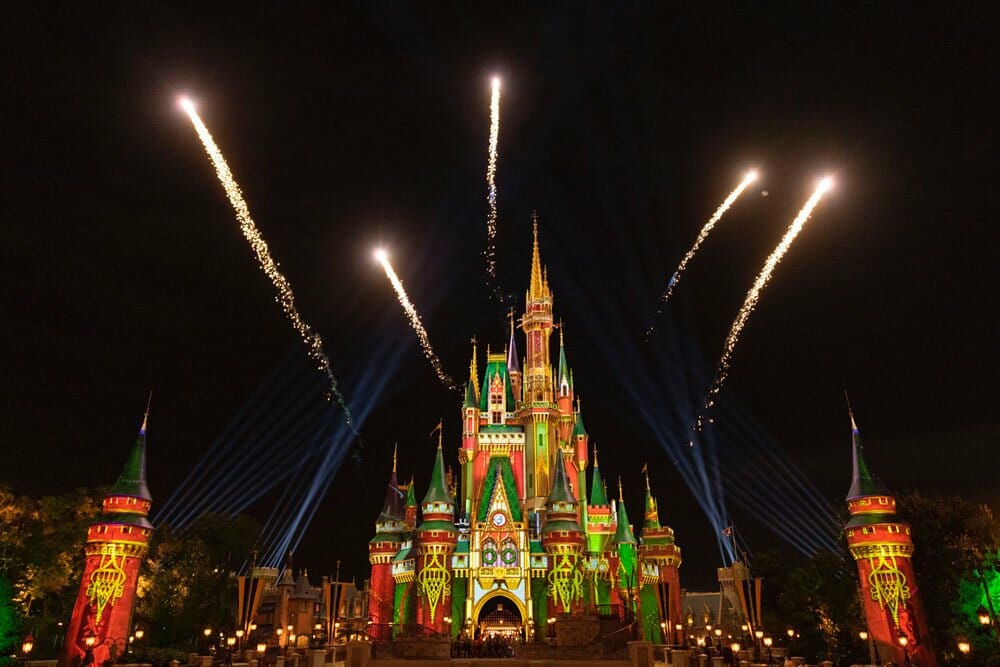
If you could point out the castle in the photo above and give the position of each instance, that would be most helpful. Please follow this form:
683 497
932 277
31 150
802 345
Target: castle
518 541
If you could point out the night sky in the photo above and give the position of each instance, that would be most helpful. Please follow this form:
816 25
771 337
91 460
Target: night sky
623 125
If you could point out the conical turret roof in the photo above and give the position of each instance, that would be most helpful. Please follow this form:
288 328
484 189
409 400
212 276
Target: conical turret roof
437 492
652 511
132 480
623 534
513 366
598 496
560 493
863 481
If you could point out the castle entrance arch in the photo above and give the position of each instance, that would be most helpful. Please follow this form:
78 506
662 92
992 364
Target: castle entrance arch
500 615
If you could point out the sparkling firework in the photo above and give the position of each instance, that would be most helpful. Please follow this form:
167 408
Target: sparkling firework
411 313
491 196
753 295
285 296
750 177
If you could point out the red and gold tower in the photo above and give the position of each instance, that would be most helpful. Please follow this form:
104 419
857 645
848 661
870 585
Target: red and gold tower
116 545
435 538
883 550
389 530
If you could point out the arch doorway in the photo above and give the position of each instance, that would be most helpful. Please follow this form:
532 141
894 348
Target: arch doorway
500 616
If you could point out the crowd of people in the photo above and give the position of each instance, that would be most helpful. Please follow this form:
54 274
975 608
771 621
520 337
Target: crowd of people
493 646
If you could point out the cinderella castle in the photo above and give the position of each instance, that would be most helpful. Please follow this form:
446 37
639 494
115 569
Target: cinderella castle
521 538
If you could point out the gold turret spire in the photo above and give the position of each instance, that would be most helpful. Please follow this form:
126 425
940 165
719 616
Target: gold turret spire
395 450
595 454
145 416
537 288
621 495
474 368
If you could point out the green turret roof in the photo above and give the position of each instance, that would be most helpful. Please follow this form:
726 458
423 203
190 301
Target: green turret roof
652 513
496 366
578 428
470 396
132 480
437 492
863 482
624 534
597 494
563 373
411 496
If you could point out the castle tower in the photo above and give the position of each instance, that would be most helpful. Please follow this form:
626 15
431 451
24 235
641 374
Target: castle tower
116 545
882 549
628 574
410 511
538 406
470 434
657 548
563 540
435 540
383 548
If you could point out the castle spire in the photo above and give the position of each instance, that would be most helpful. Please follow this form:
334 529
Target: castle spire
652 514
132 480
513 365
537 289
145 416
863 481
598 494
395 451
474 368
623 534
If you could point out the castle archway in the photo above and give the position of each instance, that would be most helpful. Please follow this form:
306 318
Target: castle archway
500 614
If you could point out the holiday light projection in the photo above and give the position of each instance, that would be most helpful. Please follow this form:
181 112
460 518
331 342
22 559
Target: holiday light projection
285 296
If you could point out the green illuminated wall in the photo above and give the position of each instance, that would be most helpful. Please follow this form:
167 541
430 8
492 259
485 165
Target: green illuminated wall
650 615
459 591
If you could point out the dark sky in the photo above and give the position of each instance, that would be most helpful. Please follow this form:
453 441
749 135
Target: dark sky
624 125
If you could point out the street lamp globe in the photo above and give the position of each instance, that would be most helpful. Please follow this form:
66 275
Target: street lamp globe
863 635
139 633
768 642
718 632
27 644
207 632
984 616
735 646
759 634
964 647
903 641
790 632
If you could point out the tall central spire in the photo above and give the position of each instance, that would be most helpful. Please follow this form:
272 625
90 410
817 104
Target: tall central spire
538 288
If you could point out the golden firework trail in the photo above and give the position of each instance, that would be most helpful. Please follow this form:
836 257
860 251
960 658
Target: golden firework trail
411 313
491 196
753 295
749 178
284 296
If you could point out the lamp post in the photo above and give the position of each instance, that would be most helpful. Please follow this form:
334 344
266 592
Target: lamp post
88 656
679 628
735 646
206 633
26 646
718 640
903 641
767 643
758 635
239 640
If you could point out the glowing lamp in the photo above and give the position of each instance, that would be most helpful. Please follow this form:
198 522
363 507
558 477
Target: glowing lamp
139 633
253 627
261 647
27 644
239 633
718 632
336 625
280 631
90 641
744 627
131 639
964 647
230 641
678 627
768 641
790 632
735 646
207 632
290 627
863 635
984 616
663 625
903 641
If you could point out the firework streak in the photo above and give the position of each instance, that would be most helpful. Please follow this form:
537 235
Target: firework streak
702 235
284 296
753 295
491 197
411 313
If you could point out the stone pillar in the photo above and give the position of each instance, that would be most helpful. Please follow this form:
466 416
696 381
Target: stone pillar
717 661
358 654
204 661
641 654
702 660
680 658
279 661
317 657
